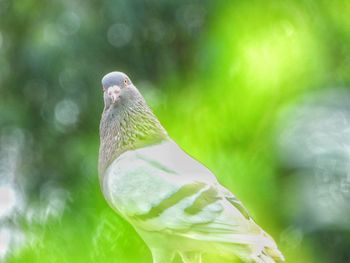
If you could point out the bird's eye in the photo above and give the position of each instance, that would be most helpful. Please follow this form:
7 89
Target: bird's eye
125 81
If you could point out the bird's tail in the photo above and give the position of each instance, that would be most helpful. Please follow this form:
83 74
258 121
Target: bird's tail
269 255
273 253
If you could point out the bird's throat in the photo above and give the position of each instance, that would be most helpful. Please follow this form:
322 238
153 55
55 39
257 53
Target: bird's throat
127 128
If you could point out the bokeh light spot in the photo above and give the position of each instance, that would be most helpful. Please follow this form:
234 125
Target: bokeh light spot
191 17
119 35
267 57
156 31
68 23
66 112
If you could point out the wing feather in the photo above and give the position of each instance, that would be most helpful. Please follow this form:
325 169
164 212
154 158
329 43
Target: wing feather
165 190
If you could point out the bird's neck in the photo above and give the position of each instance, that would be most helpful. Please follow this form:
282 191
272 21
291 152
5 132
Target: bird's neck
127 128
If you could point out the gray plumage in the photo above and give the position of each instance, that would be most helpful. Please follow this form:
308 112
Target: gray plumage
174 202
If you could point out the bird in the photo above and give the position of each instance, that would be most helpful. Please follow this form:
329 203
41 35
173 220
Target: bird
174 202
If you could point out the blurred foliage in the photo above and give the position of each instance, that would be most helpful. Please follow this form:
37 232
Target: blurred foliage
225 79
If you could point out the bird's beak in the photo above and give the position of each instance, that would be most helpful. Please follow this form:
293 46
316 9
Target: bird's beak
113 92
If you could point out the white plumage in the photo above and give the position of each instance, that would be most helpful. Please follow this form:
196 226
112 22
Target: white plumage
173 201
153 186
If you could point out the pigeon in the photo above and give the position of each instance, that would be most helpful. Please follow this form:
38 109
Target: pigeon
174 202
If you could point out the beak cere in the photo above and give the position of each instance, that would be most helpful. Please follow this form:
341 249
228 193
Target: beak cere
114 92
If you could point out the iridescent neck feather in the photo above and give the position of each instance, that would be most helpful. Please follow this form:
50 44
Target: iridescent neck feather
124 128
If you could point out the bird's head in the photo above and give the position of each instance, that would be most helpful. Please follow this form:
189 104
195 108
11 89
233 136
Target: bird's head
118 89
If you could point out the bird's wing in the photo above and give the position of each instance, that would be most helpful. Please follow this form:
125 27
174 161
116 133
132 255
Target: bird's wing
163 189
201 211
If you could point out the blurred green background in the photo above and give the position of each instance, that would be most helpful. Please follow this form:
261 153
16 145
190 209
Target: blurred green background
256 90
